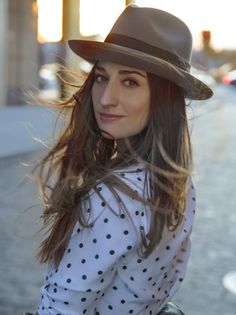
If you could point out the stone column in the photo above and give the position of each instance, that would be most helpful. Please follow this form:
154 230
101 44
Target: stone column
3 51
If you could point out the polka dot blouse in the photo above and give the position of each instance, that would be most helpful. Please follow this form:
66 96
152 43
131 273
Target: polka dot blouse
101 271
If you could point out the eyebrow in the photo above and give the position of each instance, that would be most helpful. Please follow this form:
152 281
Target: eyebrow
123 72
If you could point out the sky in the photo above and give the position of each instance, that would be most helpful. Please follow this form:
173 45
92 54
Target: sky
217 16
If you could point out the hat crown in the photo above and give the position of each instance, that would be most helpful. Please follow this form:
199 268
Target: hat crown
151 40
157 28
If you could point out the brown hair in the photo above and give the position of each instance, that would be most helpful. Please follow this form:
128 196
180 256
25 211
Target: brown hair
82 157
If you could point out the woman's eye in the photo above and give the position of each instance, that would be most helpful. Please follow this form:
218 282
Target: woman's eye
130 83
99 78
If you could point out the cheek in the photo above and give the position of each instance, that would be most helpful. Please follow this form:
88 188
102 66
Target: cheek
143 112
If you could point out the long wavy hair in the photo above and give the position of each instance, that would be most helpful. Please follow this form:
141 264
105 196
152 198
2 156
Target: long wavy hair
82 157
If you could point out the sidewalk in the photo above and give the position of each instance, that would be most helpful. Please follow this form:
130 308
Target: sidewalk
24 128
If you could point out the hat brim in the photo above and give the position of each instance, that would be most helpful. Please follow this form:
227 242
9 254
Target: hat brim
93 51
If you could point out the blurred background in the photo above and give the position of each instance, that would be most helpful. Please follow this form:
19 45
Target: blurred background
33 38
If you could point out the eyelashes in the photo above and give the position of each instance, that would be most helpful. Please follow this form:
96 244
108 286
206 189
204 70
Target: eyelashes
128 82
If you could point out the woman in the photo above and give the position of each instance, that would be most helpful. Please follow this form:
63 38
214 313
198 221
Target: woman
119 201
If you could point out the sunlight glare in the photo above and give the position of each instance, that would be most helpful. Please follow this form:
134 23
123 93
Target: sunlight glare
49 20
97 17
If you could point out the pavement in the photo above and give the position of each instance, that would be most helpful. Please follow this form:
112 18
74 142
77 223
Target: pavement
24 130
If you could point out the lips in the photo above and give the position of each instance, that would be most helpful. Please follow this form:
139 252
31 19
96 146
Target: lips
106 117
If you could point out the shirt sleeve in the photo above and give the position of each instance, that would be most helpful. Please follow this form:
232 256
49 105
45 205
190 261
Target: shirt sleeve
90 261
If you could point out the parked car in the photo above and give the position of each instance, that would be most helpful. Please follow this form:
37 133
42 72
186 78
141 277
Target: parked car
229 78
49 84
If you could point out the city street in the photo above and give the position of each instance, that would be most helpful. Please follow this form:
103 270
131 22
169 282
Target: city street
213 128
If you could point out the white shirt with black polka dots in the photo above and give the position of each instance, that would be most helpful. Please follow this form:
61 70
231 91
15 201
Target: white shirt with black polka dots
102 272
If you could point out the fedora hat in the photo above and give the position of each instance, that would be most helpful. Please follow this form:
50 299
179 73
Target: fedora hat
151 40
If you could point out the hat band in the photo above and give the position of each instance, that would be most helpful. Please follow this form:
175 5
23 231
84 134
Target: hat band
157 52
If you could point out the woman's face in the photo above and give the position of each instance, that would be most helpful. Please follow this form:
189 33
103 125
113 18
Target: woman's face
121 100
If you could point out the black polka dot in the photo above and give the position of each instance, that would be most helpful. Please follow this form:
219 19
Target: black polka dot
137 212
66 303
145 269
139 261
114 288
157 259
122 301
94 240
81 245
108 236
122 216
139 179
129 247
96 256
55 290
100 272
163 267
131 278
69 250
168 247
105 220
103 204
181 279
131 311
124 267
110 307
83 261
68 280
84 277
83 299
126 232
78 230
89 290
68 265
111 252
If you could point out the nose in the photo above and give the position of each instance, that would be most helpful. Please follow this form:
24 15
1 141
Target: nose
109 96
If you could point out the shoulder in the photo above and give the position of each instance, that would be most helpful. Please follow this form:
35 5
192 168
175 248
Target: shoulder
114 202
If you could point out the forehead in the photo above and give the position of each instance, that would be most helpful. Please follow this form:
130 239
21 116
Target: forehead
108 66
